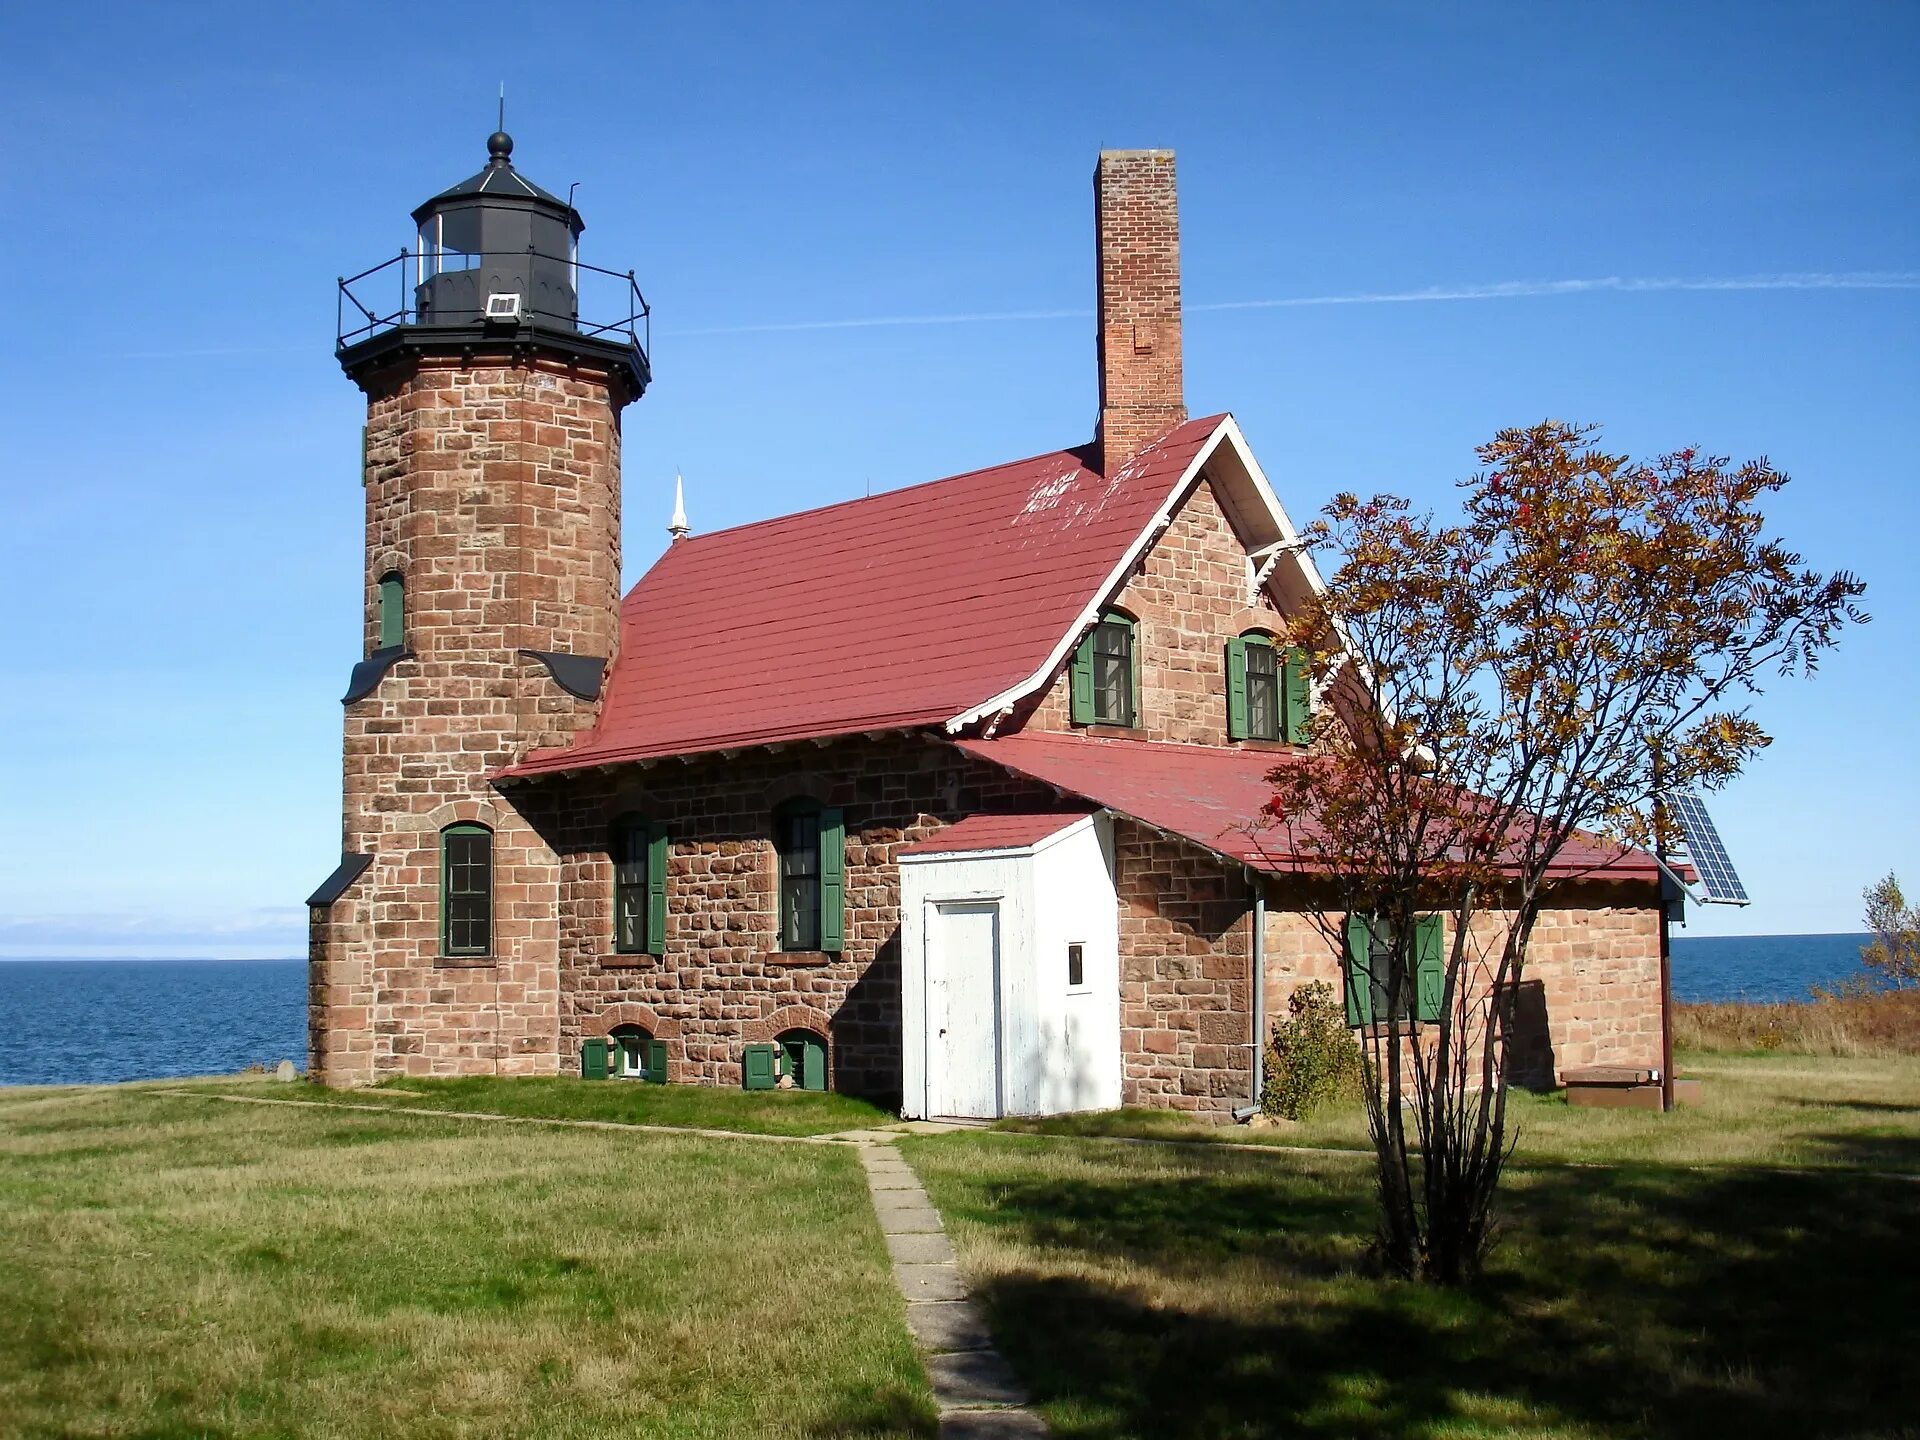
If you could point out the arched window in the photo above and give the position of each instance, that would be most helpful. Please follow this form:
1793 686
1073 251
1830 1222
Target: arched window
466 890
1269 690
1103 680
639 852
636 1055
810 846
803 1059
393 611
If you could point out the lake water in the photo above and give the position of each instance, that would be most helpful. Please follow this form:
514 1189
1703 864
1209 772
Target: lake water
78 1021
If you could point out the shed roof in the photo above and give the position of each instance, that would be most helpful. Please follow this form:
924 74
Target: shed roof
995 832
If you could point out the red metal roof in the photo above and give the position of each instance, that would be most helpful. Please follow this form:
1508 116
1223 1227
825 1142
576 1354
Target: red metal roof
994 832
1210 795
902 609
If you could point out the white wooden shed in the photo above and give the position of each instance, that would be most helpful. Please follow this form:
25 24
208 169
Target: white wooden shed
1010 974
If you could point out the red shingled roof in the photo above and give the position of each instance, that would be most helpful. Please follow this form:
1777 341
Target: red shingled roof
994 832
1209 795
902 609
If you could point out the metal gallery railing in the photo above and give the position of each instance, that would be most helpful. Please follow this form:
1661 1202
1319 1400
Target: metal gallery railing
616 311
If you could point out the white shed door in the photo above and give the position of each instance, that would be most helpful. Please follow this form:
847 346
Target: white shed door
963 1009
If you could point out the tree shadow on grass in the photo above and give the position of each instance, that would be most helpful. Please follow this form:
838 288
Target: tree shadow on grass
1655 1303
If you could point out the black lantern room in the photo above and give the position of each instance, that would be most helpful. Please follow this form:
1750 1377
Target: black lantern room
496 261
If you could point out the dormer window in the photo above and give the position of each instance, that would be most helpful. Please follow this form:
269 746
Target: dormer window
1263 689
1103 680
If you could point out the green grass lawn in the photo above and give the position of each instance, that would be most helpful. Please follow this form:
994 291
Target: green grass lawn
1755 1110
699 1107
1198 1293
183 1267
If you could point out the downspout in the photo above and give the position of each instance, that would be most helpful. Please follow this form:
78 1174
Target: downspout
1259 1007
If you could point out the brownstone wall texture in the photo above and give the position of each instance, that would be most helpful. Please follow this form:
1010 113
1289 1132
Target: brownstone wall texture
1188 593
492 488
723 982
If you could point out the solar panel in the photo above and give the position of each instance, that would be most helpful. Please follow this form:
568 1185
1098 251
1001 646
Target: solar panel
1719 883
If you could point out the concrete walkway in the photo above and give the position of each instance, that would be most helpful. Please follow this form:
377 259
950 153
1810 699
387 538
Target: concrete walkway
979 1396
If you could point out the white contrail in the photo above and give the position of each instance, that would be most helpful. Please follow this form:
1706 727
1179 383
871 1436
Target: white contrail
1498 290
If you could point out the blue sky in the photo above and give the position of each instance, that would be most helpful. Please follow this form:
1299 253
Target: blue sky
1732 191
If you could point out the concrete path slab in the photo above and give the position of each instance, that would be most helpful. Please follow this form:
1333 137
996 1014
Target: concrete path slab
979 1396
930 1282
920 1249
944 1326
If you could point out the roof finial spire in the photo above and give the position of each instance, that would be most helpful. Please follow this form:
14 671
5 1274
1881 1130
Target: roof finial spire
677 527
500 144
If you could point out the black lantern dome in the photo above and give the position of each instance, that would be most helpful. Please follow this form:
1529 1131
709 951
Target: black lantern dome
496 259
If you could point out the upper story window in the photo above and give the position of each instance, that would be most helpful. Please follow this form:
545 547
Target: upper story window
639 852
1103 680
466 890
1269 690
809 841
1374 993
393 611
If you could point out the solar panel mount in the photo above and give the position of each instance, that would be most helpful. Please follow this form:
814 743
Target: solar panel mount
1718 882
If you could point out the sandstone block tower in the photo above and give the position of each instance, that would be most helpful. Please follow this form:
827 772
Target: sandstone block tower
492 591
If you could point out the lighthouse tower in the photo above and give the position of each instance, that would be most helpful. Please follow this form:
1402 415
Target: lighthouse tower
491 593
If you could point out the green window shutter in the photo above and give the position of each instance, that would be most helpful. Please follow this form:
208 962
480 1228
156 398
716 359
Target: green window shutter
1082 681
1359 971
833 881
758 1069
1237 689
1299 686
593 1059
658 850
813 1064
393 607
1430 967
654 1067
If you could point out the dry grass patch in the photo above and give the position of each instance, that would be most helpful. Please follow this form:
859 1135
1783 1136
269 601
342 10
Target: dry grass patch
1882 1023
178 1266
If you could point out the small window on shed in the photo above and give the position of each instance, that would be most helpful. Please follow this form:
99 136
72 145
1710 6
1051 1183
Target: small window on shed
1076 965
393 611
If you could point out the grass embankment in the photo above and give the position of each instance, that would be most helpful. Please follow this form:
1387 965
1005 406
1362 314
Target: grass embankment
181 1267
1883 1023
1201 1292
1754 1110
627 1102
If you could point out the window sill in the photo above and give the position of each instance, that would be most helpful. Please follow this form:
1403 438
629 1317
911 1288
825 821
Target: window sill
465 962
1277 747
1380 1030
1107 730
798 959
622 961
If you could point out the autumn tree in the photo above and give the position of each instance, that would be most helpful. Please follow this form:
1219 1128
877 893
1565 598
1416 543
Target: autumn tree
1515 688
1894 953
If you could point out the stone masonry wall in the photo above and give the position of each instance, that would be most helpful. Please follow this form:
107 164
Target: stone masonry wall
1189 594
492 487
723 982
1590 993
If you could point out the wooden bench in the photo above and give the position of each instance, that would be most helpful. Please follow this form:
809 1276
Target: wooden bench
1623 1087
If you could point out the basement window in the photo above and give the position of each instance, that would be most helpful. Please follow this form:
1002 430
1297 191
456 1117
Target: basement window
636 1055
803 1059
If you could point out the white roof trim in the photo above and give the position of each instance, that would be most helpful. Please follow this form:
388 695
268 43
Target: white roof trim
1227 434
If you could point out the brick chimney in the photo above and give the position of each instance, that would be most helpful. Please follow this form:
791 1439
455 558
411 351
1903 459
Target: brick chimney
1136 220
